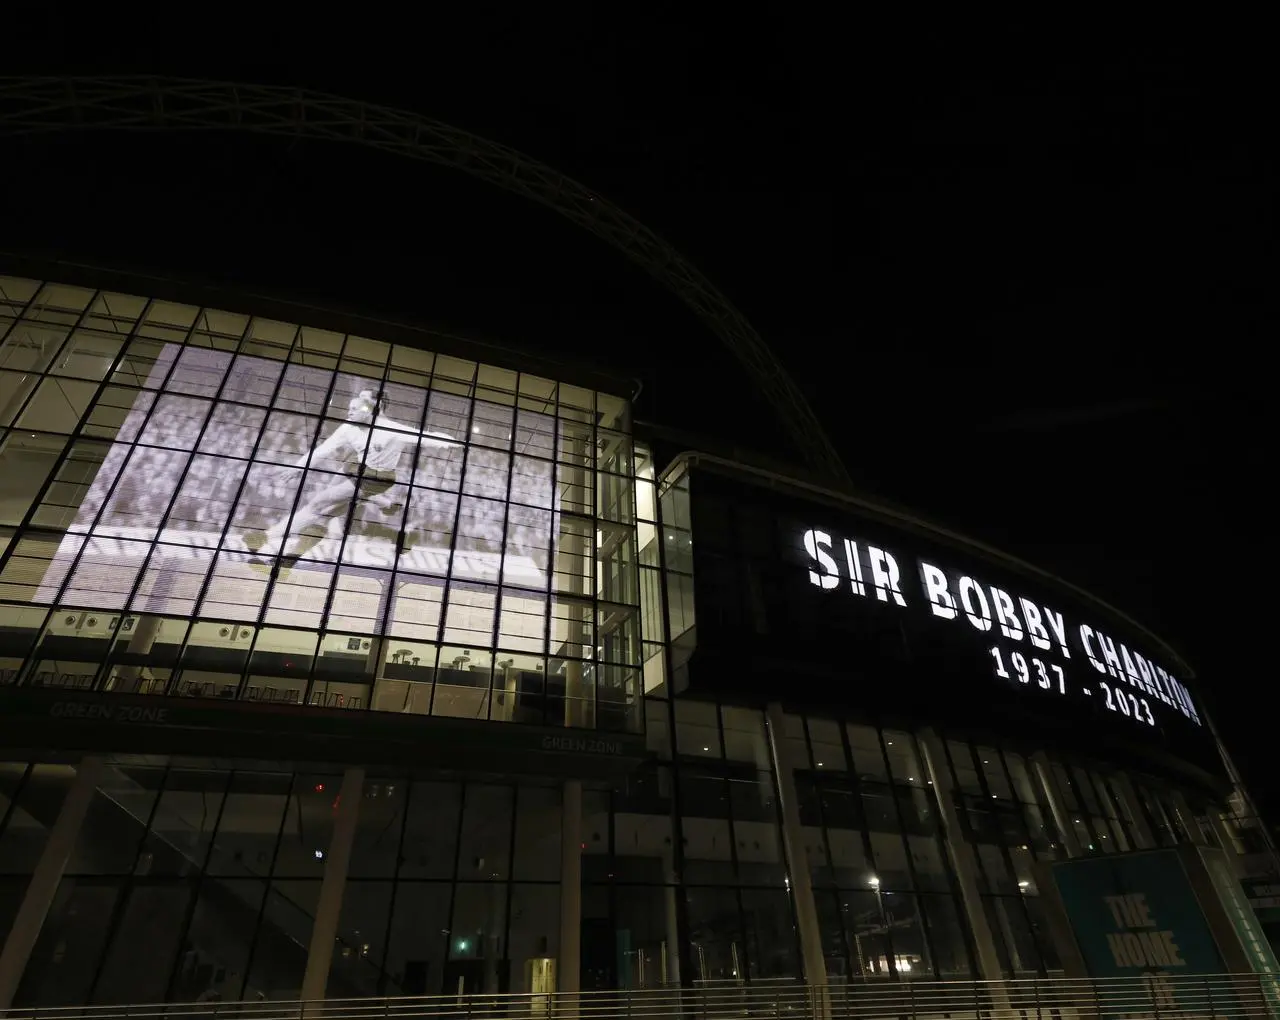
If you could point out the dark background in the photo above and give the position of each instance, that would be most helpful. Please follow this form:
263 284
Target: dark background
1024 277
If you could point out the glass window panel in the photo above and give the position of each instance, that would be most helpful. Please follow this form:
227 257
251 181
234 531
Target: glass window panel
538 826
349 389
572 630
25 463
966 772
416 607
115 313
356 967
412 358
523 621
235 591
37 567
145 363
176 423
454 374
359 600
487 473
14 390
250 825
252 380
431 830
65 959
287 438
58 405
38 794
491 424
183 822
105 578
696 730
298 597
376 850
146 939
484 849
304 389
173 580
469 618
269 339
868 761
575 490
531 481
232 430
525 552
429 531
89 354
715 928
278 963
478 543
744 736
447 414
205 501
404 404
31 346
199 371
993 772
574 557
118 413
535 434
418 938
280 652
904 760
828 750
463 680
769 930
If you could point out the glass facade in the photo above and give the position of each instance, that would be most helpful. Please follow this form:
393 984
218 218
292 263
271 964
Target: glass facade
196 504
200 503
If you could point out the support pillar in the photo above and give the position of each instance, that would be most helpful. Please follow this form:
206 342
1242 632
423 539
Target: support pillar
671 917
46 877
815 967
960 856
569 965
1139 827
1057 804
324 932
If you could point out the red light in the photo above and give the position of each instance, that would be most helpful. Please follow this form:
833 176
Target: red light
319 787
584 846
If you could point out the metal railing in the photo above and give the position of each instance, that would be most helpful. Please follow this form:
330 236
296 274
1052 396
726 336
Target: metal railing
1155 996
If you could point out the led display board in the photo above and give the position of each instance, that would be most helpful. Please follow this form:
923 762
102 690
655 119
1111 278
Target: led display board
836 607
1030 643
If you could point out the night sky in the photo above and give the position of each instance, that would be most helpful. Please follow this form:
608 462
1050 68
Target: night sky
1026 285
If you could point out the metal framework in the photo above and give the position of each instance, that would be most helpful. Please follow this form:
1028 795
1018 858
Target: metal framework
47 105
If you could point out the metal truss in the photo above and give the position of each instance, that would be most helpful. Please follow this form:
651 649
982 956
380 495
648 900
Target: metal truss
36 105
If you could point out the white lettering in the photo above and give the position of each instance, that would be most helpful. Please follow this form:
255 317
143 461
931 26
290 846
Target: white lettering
1035 625
1010 625
1109 653
981 616
941 601
818 545
884 575
855 567
1086 639
1059 629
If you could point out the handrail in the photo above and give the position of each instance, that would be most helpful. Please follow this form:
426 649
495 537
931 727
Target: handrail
1156 996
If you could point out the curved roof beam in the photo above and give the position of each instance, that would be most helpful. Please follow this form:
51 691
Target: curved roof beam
46 105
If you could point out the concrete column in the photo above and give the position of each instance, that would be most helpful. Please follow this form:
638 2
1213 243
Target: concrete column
960 856
324 932
815 967
46 877
1139 828
1057 804
671 916
569 966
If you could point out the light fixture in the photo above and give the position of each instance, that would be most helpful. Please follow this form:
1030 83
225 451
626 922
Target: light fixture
874 882
319 855
1023 884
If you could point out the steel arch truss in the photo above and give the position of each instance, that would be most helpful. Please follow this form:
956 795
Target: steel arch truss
34 106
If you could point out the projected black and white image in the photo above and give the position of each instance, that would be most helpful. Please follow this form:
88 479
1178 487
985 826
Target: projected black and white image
228 467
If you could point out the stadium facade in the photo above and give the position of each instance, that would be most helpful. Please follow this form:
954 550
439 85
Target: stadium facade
346 659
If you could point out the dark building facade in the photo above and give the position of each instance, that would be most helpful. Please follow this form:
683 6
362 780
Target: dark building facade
344 660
